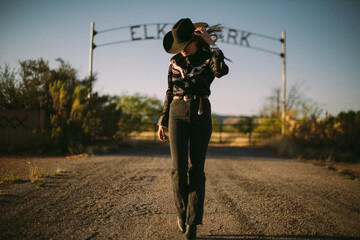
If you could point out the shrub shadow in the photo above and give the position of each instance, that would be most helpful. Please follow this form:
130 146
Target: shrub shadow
274 237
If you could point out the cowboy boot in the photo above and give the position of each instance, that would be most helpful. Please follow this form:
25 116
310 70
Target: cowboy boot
190 232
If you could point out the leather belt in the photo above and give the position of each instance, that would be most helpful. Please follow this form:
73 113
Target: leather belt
189 97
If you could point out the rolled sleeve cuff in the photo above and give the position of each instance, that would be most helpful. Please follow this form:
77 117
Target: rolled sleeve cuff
163 121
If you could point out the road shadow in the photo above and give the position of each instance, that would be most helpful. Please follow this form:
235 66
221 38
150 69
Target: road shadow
148 150
274 237
222 151
214 151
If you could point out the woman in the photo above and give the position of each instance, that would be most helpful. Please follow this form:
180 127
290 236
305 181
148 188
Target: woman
187 114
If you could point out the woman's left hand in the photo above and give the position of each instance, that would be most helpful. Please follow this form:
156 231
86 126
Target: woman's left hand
161 134
201 32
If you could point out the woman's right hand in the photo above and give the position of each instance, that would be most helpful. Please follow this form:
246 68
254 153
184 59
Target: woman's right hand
161 134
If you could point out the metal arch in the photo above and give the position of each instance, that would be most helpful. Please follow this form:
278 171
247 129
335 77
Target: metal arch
243 37
171 24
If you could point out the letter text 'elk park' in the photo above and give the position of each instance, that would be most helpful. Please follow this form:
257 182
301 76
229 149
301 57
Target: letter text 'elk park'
148 32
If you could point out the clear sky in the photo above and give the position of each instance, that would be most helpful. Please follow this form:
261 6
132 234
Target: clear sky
322 44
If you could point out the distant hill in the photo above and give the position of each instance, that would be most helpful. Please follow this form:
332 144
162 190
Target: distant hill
229 119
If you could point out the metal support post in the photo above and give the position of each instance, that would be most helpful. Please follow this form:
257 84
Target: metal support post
92 46
283 112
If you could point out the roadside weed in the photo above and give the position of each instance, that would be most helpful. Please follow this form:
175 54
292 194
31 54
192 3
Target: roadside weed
36 173
11 178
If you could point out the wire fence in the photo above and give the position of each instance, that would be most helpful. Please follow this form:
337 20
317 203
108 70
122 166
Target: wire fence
238 133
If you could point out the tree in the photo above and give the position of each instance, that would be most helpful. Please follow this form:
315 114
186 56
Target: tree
35 78
138 113
271 107
27 88
10 92
69 105
297 102
298 105
74 119
102 118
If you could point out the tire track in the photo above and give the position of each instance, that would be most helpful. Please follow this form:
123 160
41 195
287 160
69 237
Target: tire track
270 205
248 196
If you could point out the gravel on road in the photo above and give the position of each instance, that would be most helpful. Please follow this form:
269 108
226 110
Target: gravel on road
250 194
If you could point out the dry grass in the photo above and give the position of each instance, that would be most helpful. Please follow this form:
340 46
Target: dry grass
11 178
288 149
225 138
36 172
16 169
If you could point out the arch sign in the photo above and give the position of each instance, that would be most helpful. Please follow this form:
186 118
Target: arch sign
156 31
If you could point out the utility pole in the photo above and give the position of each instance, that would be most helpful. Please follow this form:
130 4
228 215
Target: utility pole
283 56
92 46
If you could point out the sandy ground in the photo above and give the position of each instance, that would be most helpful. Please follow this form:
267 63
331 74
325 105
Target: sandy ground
250 194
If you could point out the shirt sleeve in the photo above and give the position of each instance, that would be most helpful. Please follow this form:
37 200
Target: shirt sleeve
218 65
164 117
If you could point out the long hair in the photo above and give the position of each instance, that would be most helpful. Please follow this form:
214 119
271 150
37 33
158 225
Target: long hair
215 33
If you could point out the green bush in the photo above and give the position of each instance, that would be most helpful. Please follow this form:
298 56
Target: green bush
75 120
138 113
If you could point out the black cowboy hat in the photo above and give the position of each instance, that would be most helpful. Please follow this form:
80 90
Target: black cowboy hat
181 35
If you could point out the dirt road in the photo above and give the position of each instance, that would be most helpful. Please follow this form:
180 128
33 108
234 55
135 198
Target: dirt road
250 194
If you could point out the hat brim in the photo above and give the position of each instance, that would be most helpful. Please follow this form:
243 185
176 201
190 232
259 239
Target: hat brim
175 47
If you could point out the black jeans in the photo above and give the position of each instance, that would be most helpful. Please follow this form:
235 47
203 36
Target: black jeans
189 133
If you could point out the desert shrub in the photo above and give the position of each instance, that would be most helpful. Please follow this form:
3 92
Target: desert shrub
334 138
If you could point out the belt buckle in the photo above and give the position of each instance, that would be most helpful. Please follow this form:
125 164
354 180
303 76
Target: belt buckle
189 97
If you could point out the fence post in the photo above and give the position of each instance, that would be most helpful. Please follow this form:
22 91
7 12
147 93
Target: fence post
220 133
